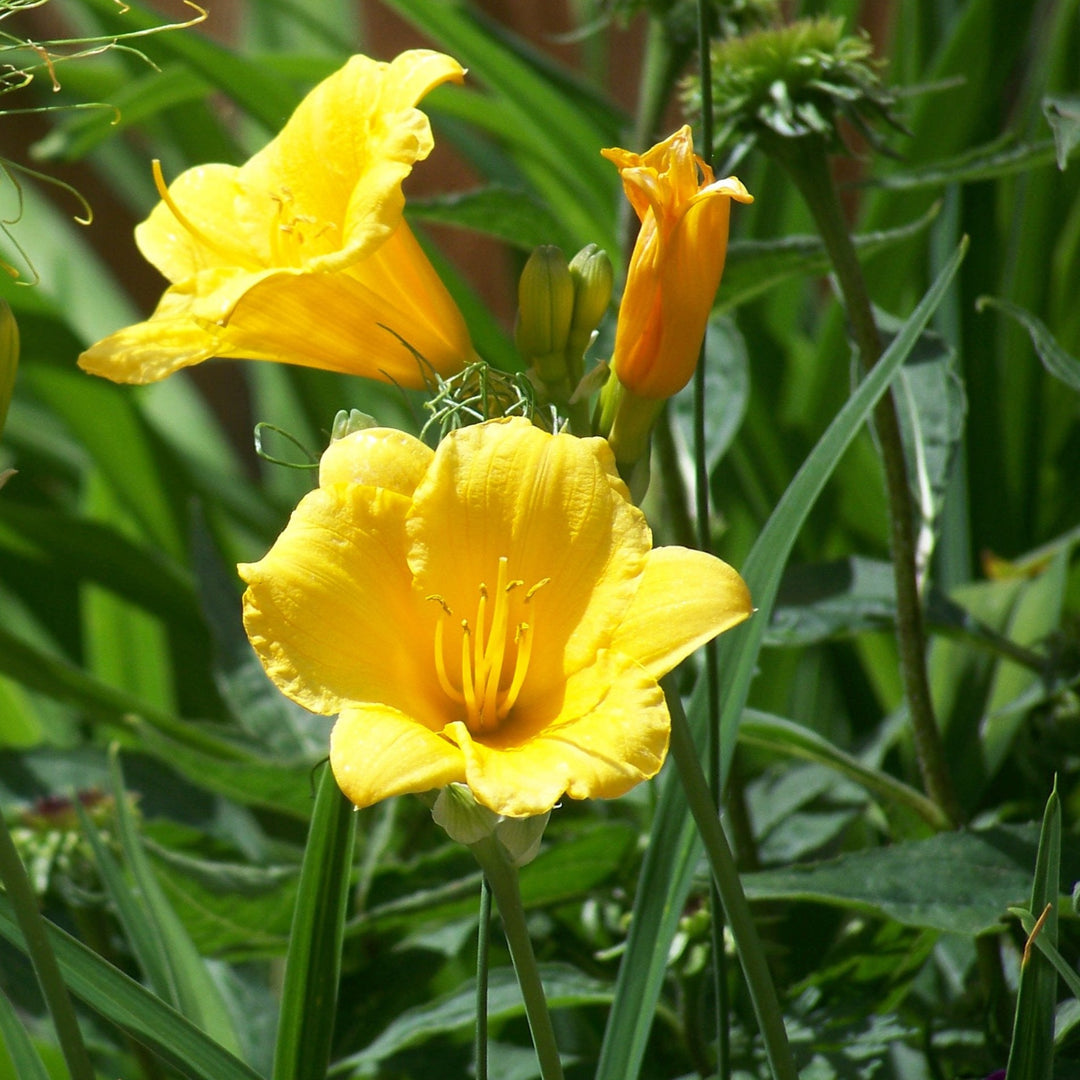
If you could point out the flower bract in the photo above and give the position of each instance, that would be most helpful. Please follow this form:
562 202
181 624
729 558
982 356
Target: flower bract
491 613
676 264
302 255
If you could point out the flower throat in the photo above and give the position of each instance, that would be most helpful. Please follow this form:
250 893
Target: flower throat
484 649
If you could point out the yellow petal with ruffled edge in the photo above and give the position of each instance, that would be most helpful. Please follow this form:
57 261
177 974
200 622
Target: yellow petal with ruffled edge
302 255
377 457
595 737
376 752
676 265
684 599
555 508
330 609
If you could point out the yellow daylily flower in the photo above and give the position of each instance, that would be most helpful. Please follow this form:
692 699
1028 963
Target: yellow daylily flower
676 265
491 613
302 255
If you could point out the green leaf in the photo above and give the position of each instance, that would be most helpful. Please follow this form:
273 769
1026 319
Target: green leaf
1054 358
727 390
785 737
1063 115
194 992
143 1015
513 216
674 848
313 964
958 882
1031 1053
755 266
991 161
20 1050
824 601
564 987
931 405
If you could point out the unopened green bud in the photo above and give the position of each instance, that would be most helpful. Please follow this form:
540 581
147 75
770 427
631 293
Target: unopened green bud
346 421
592 275
545 311
9 358
456 810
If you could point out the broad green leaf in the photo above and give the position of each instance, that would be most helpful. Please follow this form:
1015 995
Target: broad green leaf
931 405
755 266
513 216
313 964
1063 115
1054 358
958 882
564 987
823 601
785 737
231 910
143 1015
727 388
674 849
1031 1053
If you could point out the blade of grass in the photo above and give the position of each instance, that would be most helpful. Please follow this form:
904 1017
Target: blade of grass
121 1000
313 964
1031 1055
23 904
24 1058
674 849
196 994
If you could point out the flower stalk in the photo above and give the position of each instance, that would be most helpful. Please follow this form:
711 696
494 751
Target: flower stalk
759 982
505 887
806 162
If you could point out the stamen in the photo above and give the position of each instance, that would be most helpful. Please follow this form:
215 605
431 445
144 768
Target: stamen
468 686
445 684
536 588
523 640
489 671
223 253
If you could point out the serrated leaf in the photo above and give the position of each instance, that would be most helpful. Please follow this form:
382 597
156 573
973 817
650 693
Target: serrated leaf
991 161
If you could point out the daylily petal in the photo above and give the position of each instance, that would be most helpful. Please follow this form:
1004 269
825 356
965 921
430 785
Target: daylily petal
376 752
349 173
377 317
329 607
596 737
676 265
180 332
684 599
302 255
378 457
555 507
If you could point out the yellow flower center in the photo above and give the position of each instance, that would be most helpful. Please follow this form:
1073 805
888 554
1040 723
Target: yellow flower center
486 648
290 231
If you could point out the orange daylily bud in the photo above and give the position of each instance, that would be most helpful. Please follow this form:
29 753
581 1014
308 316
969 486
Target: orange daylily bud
676 265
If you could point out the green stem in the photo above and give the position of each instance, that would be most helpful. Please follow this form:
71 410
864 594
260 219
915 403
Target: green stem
806 162
503 879
758 980
32 925
483 938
